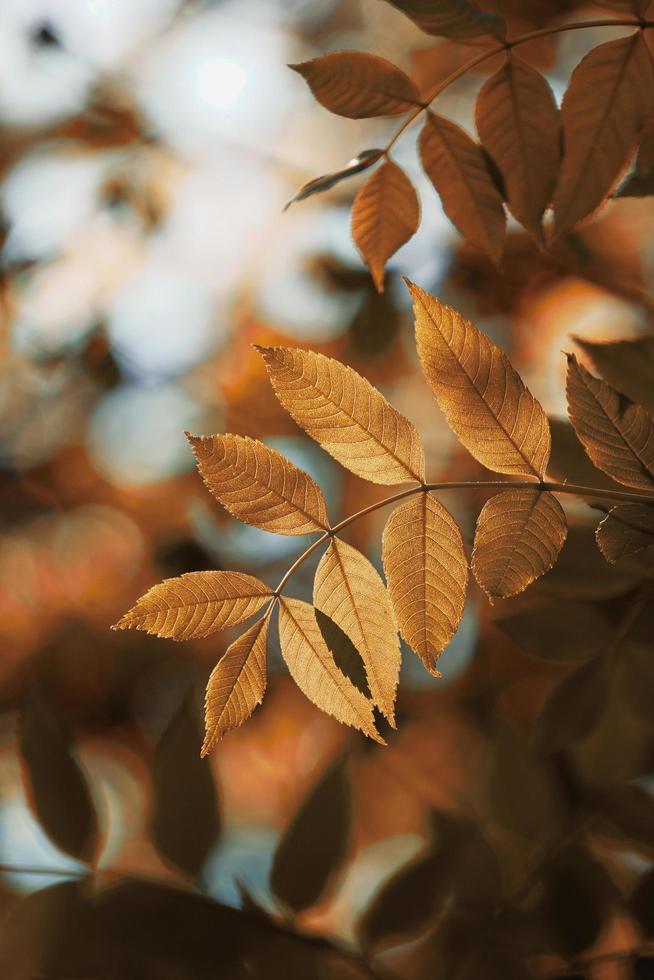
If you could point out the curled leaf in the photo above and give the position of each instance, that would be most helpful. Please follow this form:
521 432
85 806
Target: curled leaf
626 529
313 669
359 85
518 538
196 605
617 435
460 20
481 395
258 485
427 573
362 161
236 685
346 415
348 589
385 215
458 169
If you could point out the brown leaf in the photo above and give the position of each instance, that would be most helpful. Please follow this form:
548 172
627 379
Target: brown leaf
55 783
236 685
617 435
483 398
640 183
558 630
456 19
637 7
518 124
427 573
603 111
348 589
458 169
359 85
385 215
575 706
259 485
518 538
313 669
626 529
628 365
363 160
349 418
196 605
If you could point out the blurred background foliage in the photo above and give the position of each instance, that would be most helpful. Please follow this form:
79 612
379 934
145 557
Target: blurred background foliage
147 149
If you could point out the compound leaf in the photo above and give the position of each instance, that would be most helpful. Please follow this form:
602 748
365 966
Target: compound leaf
359 85
483 398
349 418
258 485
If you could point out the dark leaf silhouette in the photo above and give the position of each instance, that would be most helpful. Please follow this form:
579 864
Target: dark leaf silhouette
460 20
642 904
184 794
575 706
630 809
346 656
358 85
362 161
56 785
627 365
576 900
626 530
315 844
640 183
558 630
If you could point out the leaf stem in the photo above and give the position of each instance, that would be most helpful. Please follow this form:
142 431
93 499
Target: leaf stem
622 496
507 46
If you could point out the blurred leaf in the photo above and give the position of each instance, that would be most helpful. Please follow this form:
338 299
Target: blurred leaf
422 551
258 485
55 783
524 791
518 538
626 529
636 665
518 124
196 604
458 169
385 215
460 20
346 415
349 590
359 85
606 104
363 160
582 573
627 365
630 809
642 904
186 820
576 900
617 434
558 630
316 843
574 707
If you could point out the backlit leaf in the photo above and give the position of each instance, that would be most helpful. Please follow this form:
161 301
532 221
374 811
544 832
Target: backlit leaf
359 85
349 418
456 19
236 685
259 485
313 669
363 160
316 842
617 435
626 529
459 171
603 111
385 215
56 785
348 589
427 573
518 538
196 604
518 123
628 365
483 398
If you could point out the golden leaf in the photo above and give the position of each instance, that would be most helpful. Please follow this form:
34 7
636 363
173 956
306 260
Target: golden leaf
457 168
313 669
627 365
385 215
518 538
483 398
348 589
518 123
349 418
456 19
617 435
359 85
237 684
626 529
362 161
259 485
606 104
427 573
196 605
